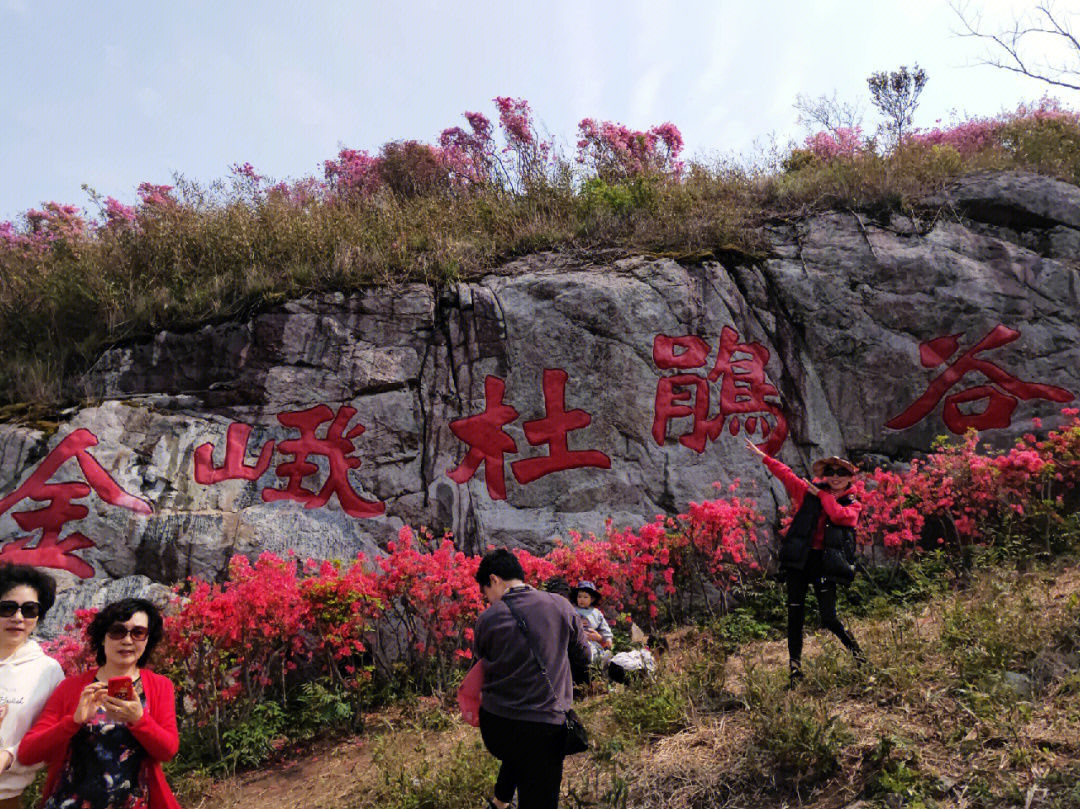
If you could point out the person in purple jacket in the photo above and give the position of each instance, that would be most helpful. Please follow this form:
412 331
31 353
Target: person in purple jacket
522 709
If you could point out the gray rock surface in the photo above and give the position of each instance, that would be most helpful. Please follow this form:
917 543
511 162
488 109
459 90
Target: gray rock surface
841 305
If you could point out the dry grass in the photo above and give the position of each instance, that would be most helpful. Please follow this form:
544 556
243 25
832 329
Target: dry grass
928 725
224 253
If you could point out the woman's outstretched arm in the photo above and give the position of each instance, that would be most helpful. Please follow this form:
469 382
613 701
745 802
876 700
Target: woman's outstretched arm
796 487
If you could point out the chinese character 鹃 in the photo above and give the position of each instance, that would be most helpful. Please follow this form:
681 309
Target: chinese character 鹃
745 393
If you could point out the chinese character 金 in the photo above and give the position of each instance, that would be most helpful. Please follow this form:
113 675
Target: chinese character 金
50 550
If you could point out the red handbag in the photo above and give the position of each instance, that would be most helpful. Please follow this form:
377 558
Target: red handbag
468 695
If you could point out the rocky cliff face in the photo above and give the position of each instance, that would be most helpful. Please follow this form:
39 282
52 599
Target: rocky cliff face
552 394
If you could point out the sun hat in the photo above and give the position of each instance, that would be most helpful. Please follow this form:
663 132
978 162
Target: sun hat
819 466
588 587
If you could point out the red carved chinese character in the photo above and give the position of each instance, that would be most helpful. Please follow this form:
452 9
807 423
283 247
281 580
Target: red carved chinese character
999 407
680 388
694 352
487 440
743 390
233 468
337 447
51 551
552 430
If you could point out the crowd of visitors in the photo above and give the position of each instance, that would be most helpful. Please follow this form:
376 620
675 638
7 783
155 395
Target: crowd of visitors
105 733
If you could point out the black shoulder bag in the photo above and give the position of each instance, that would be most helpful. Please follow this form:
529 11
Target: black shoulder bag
577 738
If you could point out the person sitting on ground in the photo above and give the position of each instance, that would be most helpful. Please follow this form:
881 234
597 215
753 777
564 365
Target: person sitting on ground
104 733
27 675
818 548
523 705
586 599
579 669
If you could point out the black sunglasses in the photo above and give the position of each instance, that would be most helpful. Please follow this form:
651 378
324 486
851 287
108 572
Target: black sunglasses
829 471
119 632
29 609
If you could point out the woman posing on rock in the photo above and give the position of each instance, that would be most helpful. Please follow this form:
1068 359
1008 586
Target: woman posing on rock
818 548
105 733
27 675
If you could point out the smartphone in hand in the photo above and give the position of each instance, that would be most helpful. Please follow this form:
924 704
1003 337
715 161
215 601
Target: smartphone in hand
121 688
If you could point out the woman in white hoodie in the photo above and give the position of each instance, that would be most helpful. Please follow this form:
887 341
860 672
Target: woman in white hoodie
27 675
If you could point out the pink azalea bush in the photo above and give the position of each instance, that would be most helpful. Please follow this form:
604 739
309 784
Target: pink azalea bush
510 155
615 153
843 143
403 620
1024 494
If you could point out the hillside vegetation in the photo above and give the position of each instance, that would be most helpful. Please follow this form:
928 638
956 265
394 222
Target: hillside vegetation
972 699
72 282
970 620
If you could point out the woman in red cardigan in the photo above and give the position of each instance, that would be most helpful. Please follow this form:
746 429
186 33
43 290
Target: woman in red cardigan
818 549
105 752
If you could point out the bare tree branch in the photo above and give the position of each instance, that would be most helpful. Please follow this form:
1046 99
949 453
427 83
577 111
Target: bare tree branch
828 112
1043 22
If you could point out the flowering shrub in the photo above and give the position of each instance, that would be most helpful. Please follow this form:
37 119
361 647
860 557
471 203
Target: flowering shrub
470 156
616 153
1024 495
670 564
117 214
279 630
411 211
229 644
462 159
966 138
844 143
431 602
72 650
156 196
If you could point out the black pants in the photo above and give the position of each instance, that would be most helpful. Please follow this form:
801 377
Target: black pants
532 759
798 584
580 673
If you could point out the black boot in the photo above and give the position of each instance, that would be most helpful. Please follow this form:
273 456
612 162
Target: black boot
860 657
795 674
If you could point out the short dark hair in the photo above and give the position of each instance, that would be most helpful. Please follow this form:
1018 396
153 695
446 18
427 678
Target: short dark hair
11 576
501 563
559 586
118 612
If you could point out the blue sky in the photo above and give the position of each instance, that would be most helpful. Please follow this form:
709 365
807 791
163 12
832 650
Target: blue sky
116 93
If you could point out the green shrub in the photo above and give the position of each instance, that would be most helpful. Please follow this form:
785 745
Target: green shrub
319 708
252 742
705 672
424 779
1048 144
794 735
800 738
991 633
652 706
896 772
